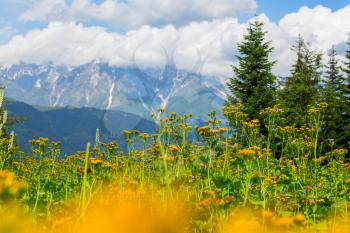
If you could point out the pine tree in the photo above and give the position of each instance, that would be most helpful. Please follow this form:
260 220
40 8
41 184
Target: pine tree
346 70
254 84
346 93
302 88
333 94
334 80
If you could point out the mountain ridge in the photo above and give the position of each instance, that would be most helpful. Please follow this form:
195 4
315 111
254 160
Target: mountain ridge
135 90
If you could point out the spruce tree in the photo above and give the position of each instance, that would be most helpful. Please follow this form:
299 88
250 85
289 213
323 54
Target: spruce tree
346 70
334 81
333 94
301 89
346 93
253 84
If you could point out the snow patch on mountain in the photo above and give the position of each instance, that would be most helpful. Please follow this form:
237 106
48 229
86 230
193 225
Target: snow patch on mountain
102 86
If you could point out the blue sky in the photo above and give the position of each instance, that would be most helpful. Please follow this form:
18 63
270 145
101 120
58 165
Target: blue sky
276 9
74 32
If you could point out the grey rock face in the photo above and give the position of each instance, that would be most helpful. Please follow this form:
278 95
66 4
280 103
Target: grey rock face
128 89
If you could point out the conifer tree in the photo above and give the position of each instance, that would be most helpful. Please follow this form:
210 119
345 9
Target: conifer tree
333 94
334 82
346 70
302 88
254 84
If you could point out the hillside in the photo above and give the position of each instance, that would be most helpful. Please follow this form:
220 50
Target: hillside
74 127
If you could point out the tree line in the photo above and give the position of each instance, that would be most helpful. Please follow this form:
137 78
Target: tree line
310 81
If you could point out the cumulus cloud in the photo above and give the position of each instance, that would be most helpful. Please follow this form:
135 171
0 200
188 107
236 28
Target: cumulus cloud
319 25
61 43
135 13
73 44
206 46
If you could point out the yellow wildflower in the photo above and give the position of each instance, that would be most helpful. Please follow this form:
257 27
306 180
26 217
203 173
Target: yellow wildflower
299 218
283 222
246 152
95 161
267 214
174 147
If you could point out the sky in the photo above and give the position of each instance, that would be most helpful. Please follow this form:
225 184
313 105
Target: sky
276 9
157 32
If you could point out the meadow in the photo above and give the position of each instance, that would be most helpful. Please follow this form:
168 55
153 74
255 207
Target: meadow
251 176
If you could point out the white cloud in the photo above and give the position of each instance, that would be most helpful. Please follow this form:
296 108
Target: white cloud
135 13
62 43
319 25
210 43
73 44
45 10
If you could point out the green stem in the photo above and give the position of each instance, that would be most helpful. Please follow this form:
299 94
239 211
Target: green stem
85 181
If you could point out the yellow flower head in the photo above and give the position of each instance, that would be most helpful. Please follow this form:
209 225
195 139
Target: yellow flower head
299 218
252 124
246 152
174 147
95 161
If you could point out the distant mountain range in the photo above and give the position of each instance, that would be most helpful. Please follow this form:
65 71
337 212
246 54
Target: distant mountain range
78 100
127 89
74 127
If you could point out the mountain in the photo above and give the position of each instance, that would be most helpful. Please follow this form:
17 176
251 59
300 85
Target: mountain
134 90
74 127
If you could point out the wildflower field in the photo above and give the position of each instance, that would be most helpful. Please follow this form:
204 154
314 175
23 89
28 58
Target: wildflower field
253 176
266 150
